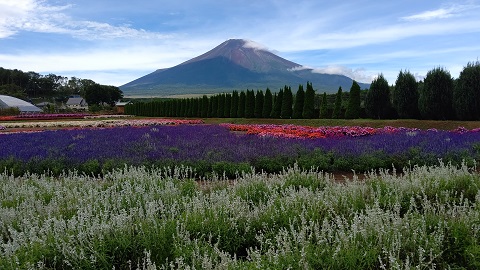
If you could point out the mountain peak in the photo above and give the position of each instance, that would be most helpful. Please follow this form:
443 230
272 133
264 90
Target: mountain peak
235 64
248 54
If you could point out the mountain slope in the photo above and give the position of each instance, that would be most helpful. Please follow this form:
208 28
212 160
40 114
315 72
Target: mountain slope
235 64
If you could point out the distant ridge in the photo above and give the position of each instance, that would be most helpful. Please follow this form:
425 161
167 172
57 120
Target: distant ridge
236 64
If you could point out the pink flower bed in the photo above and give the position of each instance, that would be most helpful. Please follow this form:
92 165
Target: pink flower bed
294 131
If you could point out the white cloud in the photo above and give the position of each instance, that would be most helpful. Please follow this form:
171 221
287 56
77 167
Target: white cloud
359 74
38 16
440 13
254 45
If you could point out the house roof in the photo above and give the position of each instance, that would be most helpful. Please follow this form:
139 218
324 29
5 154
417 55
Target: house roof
76 101
23 106
122 103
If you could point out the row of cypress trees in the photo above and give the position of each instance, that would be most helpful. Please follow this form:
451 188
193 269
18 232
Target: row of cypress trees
437 97
244 104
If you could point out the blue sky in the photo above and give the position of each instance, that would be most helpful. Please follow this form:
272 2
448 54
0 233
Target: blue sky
116 41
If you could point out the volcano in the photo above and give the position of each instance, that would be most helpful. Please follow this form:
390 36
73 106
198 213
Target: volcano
236 64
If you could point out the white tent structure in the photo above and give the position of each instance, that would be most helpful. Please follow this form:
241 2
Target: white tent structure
23 106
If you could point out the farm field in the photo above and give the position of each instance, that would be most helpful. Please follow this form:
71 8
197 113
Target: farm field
151 193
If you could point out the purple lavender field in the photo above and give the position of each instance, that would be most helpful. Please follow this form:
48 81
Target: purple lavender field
210 148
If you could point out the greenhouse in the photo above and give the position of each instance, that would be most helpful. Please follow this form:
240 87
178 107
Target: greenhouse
12 102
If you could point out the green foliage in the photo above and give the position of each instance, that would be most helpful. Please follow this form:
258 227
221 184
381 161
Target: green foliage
221 105
259 100
309 104
324 107
214 106
241 104
250 104
96 94
287 103
163 219
9 111
277 106
267 104
466 93
337 110
353 108
204 108
234 106
13 90
299 103
405 96
377 101
436 96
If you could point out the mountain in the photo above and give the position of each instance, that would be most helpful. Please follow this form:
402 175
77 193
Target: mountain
236 64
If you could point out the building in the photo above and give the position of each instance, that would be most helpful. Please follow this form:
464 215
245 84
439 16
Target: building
77 103
120 106
23 106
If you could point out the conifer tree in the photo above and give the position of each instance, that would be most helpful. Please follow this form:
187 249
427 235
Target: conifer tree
337 110
287 102
324 106
299 102
377 101
204 109
250 104
436 98
466 93
227 106
267 104
277 106
353 108
234 105
405 96
241 104
221 105
214 106
258 104
309 103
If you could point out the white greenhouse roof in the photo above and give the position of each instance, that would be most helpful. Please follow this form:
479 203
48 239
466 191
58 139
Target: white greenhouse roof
23 106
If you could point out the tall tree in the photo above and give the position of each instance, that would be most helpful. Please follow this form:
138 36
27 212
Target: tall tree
228 104
97 94
204 110
405 96
377 101
337 110
267 104
466 94
241 104
258 104
234 106
287 102
299 102
353 108
277 106
221 105
214 106
436 98
250 104
309 103
324 107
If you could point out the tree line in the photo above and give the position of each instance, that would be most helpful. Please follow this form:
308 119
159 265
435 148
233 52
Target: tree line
32 85
437 97
244 104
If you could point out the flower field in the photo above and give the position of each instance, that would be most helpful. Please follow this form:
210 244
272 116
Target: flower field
100 146
136 218
152 194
